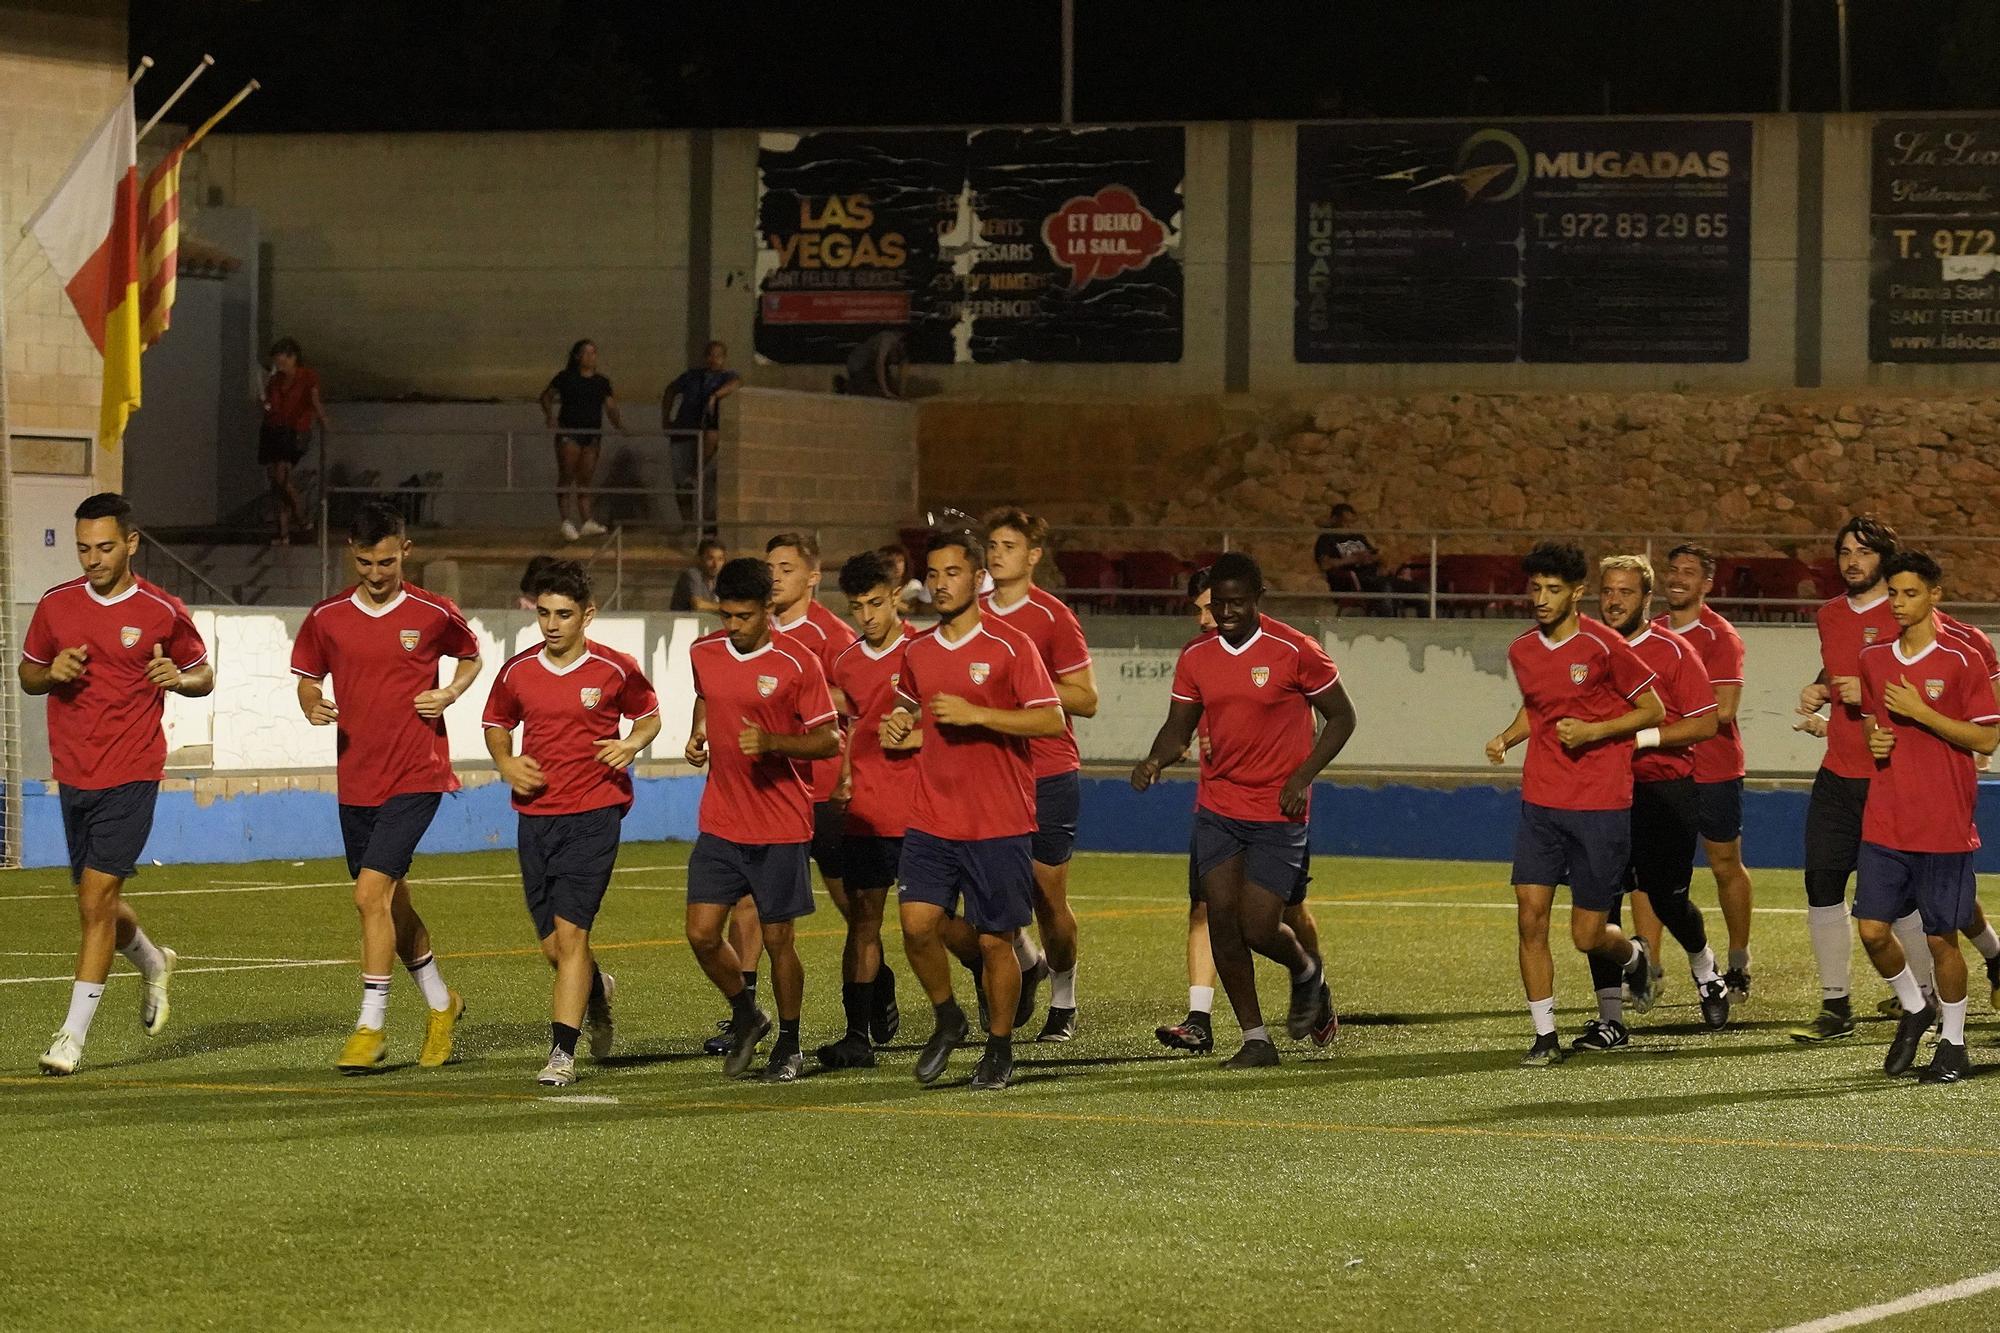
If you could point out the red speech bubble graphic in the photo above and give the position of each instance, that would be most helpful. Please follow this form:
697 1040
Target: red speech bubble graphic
1102 235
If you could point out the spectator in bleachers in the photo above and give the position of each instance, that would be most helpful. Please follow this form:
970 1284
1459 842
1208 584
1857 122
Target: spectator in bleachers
910 593
693 403
575 404
1351 563
291 408
696 589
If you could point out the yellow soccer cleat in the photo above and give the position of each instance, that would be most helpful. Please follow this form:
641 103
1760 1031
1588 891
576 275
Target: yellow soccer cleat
364 1051
438 1029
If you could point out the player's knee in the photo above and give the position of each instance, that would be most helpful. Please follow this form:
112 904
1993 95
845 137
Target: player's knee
1875 935
778 936
373 893
1586 931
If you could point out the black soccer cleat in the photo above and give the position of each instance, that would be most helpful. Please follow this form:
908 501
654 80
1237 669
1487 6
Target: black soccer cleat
937 1051
1031 982
1640 984
1546 1052
1715 997
1060 1026
720 1043
1949 1064
1829 1024
1737 979
1304 1014
1602 1034
787 1068
1910 1030
1253 1055
995 1070
850 1052
1325 1021
1993 981
743 1044
1190 1034
886 1019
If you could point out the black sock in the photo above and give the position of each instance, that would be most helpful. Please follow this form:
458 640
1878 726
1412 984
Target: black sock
1838 1003
596 984
788 1039
563 1037
750 983
743 1006
1000 1045
856 1000
948 1013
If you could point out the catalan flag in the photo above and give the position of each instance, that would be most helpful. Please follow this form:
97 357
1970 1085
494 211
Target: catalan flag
160 240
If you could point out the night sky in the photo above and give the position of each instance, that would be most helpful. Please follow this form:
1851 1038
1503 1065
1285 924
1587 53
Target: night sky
329 65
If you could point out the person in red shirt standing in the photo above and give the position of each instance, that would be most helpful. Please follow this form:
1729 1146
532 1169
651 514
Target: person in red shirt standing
769 704
1981 932
1927 706
1718 761
381 641
291 407
1585 695
572 786
976 692
1255 684
105 649
1014 543
876 787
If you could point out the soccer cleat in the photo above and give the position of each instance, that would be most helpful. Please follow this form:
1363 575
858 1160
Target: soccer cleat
1602 1034
852 1051
1737 979
1031 982
1253 1055
1890 1007
1302 1018
887 1019
937 1051
788 1068
153 1006
1828 1024
1060 1026
570 531
1910 1030
64 1054
743 1045
560 1071
994 1072
1948 1065
1328 1031
1993 980
1641 986
365 1049
1546 1051
720 1043
597 1022
1714 997
592 528
438 1029
1190 1034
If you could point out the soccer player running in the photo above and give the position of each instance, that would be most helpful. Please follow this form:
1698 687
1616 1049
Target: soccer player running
1666 816
766 704
1927 707
976 692
572 786
876 787
381 641
1259 686
1014 544
1585 695
106 648
1718 761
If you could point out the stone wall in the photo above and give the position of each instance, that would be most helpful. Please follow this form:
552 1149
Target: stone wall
845 466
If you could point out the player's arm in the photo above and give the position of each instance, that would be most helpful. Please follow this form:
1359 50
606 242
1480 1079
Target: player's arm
193 683
432 703
319 710
1646 711
696 752
1902 697
1510 736
622 751
1172 741
1077 692
1687 731
1336 713
899 730
1816 694
1727 699
64 667
521 772
952 711
821 742
1881 740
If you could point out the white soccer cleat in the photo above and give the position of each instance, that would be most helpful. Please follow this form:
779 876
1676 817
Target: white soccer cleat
559 1072
64 1054
153 1005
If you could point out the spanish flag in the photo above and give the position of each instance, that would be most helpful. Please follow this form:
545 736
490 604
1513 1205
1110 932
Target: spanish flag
89 229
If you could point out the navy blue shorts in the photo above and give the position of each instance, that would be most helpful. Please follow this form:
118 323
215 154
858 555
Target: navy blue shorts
1721 805
107 827
1833 823
1277 856
1665 820
566 863
1937 885
384 837
1585 849
778 877
1058 802
996 877
870 861
829 844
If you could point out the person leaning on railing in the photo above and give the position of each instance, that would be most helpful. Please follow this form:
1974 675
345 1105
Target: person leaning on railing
691 410
291 407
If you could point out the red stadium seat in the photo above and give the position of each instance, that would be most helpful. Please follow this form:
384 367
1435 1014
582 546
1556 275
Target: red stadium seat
1497 577
1085 570
1152 572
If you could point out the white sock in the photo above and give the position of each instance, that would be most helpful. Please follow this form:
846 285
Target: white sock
425 970
141 954
1832 949
1904 983
1201 999
374 1002
1987 942
1916 950
1315 972
1702 965
1062 989
1954 1022
83 998
1256 1034
1611 1004
1543 1012
1025 952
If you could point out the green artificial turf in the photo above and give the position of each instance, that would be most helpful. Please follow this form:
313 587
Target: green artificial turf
1410 1176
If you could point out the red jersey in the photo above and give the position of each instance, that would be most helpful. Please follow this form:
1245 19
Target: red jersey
1844 630
1053 629
766 800
568 712
884 780
1592 676
1923 795
288 399
1256 703
1684 691
104 726
1720 647
1973 637
973 783
381 659
824 635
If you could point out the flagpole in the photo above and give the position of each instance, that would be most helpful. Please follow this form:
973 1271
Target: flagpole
227 107
167 105
145 63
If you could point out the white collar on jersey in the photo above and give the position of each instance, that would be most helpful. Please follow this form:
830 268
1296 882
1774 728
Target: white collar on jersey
769 644
1896 647
1861 608
548 663
1692 621
953 645
110 601
1641 637
361 604
1553 644
783 628
993 602
890 647
1235 651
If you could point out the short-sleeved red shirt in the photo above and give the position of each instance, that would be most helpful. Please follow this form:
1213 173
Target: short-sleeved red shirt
104 726
1256 706
1715 640
1592 676
973 783
1684 691
1972 637
767 800
381 659
824 635
288 399
567 711
884 780
1922 796
1057 636
1844 630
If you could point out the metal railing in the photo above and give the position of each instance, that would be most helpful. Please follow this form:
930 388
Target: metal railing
189 578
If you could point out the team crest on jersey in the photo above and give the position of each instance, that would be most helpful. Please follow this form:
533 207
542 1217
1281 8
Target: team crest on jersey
408 638
129 636
591 696
1869 633
766 684
1579 672
895 679
1260 676
1933 690
980 671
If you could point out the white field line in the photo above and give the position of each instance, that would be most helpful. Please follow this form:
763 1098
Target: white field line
1916 1300
240 886
190 971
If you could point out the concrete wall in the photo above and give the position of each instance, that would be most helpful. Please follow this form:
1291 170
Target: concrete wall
786 452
